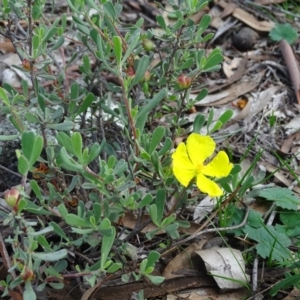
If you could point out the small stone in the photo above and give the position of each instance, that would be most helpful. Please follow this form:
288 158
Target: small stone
245 39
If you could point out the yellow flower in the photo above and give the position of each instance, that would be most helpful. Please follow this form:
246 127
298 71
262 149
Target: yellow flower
189 162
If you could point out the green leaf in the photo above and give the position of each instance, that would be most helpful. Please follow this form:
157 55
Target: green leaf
105 227
94 152
110 10
236 216
62 210
67 162
283 197
57 229
23 165
65 126
76 221
97 210
160 201
187 64
32 146
177 25
120 167
88 100
77 144
284 32
203 25
148 198
208 37
36 12
9 137
34 208
161 22
153 214
43 242
284 284
199 56
226 116
201 95
216 127
86 64
51 32
166 147
106 245
140 71
118 49
169 220
143 113
29 293
210 118
113 268
212 61
270 242
157 136
58 43
152 258
133 41
155 279
41 232
53 256
198 123
36 189
4 97
65 141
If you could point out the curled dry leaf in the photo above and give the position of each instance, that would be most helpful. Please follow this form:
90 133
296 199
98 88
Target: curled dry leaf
226 266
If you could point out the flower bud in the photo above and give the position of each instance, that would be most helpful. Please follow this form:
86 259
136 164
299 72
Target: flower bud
130 71
26 64
148 45
27 274
12 196
184 82
147 76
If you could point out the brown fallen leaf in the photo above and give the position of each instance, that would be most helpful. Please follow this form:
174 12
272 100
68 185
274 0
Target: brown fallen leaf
267 2
288 143
250 20
234 91
280 176
292 65
7 47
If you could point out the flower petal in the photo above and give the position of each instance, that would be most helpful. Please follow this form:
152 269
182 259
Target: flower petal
219 166
183 168
199 147
207 186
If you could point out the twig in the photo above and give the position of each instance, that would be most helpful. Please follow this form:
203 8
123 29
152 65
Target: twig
10 171
30 34
7 262
198 234
254 277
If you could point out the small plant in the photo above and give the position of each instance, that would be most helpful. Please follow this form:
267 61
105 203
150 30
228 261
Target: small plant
91 153
284 31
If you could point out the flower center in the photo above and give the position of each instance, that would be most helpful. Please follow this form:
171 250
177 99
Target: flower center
199 167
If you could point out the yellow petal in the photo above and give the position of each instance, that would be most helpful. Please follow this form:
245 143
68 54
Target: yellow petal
219 166
199 147
207 186
183 168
